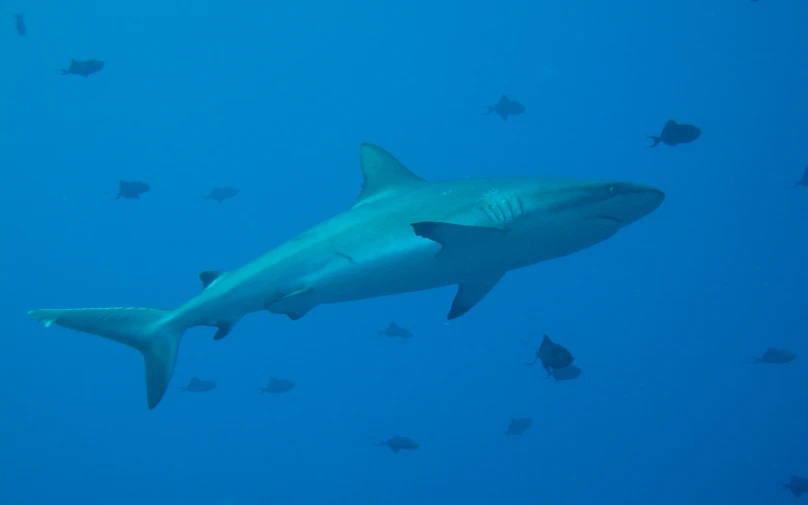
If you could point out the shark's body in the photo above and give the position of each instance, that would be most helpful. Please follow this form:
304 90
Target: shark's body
403 234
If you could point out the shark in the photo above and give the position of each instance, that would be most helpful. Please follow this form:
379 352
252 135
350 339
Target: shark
402 234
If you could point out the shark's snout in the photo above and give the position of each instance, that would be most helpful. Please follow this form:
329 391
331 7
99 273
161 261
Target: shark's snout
634 202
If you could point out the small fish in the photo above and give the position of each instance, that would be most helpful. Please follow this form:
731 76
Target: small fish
397 444
19 23
674 133
505 107
797 485
198 386
803 181
553 356
519 426
83 68
567 373
277 386
222 194
775 356
395 331
132 189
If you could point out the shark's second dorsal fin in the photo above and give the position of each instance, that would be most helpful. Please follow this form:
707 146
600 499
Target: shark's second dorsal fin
381 174
208 277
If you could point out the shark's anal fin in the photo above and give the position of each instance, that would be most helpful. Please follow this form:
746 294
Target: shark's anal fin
458 238
223 329
295 315
208 277
470 293
382 174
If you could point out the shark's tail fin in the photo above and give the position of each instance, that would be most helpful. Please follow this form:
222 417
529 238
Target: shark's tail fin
489 111
656 140
150 331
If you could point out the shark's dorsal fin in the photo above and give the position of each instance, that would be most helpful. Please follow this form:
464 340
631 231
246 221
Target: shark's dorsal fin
381 173
208 277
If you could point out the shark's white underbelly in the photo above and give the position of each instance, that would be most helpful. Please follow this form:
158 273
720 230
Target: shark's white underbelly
413 263
403 267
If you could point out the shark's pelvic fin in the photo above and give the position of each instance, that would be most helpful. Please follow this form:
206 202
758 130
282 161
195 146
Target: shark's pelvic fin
382 174
295 309
209 277
470 293
457 238
150 331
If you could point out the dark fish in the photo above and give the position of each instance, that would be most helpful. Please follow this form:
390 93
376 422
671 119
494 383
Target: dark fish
221 194
278 386
567 373
400 444
519 426
775 356
797 485
198 386
553 356
83 68
804 180
19 23
132 189
395 331
674 133
505 107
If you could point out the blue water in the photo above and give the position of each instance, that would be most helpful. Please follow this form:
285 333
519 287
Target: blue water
274 98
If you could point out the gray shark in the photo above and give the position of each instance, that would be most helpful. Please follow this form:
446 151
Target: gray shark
402 234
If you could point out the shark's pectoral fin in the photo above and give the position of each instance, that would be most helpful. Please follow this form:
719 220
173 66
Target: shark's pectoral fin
470 293
458 238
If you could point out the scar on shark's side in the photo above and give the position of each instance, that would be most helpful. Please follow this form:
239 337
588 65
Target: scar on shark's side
350 260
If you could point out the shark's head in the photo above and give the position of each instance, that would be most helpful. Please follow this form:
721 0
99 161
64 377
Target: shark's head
550 218
622 203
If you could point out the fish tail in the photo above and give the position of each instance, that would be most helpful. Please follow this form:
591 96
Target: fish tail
753 361
656 140
150 331
490 110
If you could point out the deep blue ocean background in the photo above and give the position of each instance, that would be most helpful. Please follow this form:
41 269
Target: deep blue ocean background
274 98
